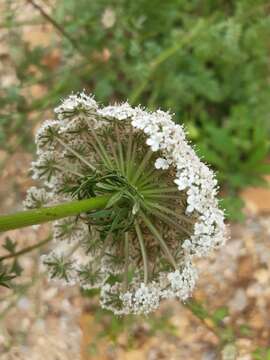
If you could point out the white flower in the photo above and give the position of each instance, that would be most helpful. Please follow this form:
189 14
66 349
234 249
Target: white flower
183 281
162 164
154 141
143 300
119 150
36 198
119 112
108 18
182 183
80 102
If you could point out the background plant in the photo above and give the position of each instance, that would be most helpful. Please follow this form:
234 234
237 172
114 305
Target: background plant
207 61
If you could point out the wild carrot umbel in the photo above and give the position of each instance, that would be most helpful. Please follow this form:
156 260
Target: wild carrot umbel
162 210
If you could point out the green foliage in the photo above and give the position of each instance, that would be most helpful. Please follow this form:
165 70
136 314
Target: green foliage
59 267
9 245
214 320
233 206
261 354
13 269
219 315
206 61
6 275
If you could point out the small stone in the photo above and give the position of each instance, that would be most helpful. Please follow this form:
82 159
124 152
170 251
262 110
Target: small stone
245 269
50 293
229 352
254 290
257 320
210 355
24 303
262 276
244 357
239 302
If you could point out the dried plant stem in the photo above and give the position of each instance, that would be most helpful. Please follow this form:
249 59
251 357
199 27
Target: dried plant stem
26 249
57 26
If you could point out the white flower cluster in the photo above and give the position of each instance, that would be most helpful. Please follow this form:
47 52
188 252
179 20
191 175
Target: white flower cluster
36 198
182 281
81 102
192 175
143 300
67 153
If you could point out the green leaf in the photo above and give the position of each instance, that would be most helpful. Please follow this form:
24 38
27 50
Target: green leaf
233 206
5 277
258 354
263 169
136 208
198 309
16 268
258 154
211 156
221 140
245 330
10 245
114 199
220 314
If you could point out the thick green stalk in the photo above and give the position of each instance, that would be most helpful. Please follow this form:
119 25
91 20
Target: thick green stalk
42 215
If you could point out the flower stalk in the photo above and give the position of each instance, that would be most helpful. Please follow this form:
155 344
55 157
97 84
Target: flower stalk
51 213
148 203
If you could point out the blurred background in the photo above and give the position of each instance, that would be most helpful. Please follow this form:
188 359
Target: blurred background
207 61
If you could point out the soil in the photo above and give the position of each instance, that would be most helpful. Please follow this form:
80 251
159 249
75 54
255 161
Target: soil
45 321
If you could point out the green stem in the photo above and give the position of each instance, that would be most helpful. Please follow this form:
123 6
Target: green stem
75 153
26 249
114 155
42 215
142 166
143 251
170 212
157 235
126 261
103 152
120 151
159 190
169 219
224 332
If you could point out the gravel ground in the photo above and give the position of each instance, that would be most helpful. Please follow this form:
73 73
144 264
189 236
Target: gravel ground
45 321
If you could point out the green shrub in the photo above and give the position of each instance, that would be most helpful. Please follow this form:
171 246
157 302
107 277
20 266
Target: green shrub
205 60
